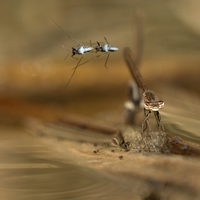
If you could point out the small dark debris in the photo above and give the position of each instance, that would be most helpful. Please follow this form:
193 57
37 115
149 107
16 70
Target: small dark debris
113 150
120 157
126 146
96 151
152 196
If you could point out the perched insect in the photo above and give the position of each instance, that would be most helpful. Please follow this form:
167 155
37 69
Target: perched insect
80 50
151 104
105 48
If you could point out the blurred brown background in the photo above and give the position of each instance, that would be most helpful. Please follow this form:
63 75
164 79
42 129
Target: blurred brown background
32 58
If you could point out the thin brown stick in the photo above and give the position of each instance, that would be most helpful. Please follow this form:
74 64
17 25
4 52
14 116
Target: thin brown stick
138 37
130 61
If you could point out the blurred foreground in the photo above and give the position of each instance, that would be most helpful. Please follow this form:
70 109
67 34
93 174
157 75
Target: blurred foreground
42 158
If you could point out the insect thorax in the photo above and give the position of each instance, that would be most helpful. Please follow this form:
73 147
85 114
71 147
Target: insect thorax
150 102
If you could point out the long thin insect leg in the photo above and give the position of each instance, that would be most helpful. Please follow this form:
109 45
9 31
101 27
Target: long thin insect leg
157 116
146 122
144 125
70 78
73 72
90 60
107 60
79 62
66 56
66 50
74 58
158 119
108 53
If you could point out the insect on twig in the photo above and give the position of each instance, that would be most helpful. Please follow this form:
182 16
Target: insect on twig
80 50
151 104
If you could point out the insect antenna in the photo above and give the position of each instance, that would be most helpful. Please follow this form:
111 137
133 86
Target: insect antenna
66 33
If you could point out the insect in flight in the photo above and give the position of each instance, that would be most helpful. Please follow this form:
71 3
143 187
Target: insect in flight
106 48
80 50
150 101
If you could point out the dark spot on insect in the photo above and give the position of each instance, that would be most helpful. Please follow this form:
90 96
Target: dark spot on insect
113 150
120 157
96 151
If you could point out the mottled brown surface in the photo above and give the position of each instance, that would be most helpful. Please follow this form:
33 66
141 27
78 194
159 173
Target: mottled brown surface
142 174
